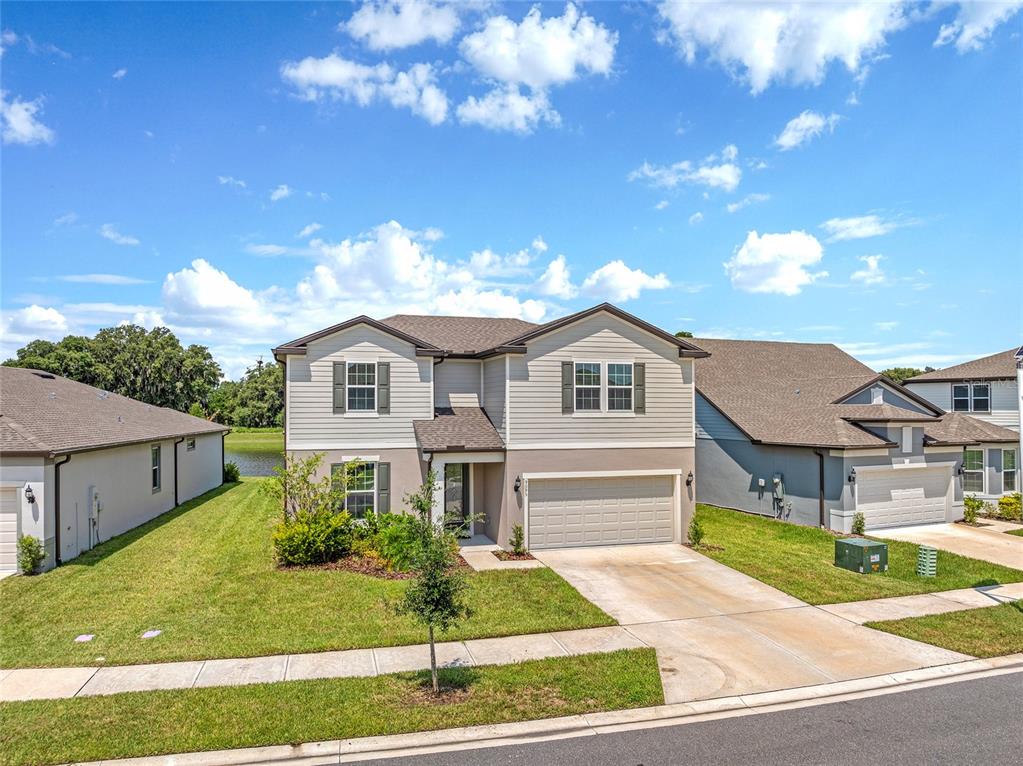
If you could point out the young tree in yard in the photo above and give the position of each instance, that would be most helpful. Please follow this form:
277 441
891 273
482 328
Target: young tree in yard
296 489
436 597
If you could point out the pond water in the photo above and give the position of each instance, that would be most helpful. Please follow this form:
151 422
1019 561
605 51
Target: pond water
255 463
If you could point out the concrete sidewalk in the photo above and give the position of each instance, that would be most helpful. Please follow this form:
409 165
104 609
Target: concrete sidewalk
900 607
55 683
987 542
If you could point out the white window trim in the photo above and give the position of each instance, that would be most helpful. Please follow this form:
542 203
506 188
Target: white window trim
604 412
374 491
1015 471
600 388
907 439
156 471
349 412
982 470
631 387
190 444
970 397
973 407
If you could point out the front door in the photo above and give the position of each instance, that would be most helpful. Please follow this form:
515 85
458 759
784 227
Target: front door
456 497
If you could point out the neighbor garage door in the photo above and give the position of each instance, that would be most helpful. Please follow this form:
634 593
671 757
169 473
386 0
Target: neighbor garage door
600 511
9 508
902 496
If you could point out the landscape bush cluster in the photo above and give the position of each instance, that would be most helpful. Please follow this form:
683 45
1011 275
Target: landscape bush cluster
1008 508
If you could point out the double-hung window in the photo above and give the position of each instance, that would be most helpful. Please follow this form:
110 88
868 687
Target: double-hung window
1010 470
362 489
973 470
362 387
587 386
154 463
619 387
190 445
971 397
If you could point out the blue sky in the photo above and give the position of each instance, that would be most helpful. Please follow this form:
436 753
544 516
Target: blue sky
248 173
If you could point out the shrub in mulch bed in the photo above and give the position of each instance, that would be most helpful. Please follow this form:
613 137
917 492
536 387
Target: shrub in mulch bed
371 566
509 556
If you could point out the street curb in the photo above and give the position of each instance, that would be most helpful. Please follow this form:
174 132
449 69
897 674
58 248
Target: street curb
583 725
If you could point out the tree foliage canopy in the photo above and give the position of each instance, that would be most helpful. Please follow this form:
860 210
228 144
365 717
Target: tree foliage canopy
255 401
149 365
901 374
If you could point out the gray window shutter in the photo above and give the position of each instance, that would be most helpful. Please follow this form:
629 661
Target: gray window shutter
339 386
384 388
383 488
639 388
567 388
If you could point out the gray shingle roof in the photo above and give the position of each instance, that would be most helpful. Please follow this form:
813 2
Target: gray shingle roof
786 393
462 335
457 428
42 413
996 366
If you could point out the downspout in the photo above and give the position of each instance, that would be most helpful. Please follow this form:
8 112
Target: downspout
56 508
176 470
820 494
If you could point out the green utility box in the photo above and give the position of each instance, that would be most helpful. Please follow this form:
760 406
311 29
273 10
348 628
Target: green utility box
859 555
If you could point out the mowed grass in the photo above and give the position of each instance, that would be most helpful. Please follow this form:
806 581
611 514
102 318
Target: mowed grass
255 440
1017 532
989 631
151 723
204 576
800 561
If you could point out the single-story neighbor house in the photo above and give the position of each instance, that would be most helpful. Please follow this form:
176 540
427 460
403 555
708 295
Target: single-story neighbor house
984 388
806 433
79 465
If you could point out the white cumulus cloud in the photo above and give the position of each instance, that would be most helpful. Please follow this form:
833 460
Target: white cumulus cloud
309 230
120 74
872 273
202 293
804 127
616 282
283 191
556 280
974 23
35 321
384 25
109 231
21 124
781 42
858 227
339 78
695 218
775 263
712 172
508 109
231 181
749 199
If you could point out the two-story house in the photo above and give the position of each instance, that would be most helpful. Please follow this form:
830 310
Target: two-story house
806 433
580 429
985 389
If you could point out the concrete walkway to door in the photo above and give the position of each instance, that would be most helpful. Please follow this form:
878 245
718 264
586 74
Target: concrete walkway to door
987 542
718 632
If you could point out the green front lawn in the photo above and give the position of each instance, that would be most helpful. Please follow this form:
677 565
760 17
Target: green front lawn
255 440
986 632
1017 532
151 723
800 561
203 574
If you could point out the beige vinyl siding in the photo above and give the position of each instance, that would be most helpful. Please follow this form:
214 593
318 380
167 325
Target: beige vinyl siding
312 422
1004 410
535 389
493 393
457 383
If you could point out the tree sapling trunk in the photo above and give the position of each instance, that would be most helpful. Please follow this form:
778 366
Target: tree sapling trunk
433 663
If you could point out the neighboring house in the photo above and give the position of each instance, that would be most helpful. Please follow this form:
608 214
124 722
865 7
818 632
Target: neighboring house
806 433
580 429
79 465
984 388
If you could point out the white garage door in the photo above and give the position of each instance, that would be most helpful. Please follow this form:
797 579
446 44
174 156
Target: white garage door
903 496
9 508
600 511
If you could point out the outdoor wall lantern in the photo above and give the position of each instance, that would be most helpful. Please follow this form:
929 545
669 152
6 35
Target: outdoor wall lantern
959 470
518 483
689 479
852 476
30 496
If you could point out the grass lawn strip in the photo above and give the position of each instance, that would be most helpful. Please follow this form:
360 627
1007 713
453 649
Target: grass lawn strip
989 631
204 576
799 560
151 723
1017 532
259 441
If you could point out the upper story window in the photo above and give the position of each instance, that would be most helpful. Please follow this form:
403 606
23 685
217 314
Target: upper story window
973 470
190 445
362 387
587 386
619 386
971 397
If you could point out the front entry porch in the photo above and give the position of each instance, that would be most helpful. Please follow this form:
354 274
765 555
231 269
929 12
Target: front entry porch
457 495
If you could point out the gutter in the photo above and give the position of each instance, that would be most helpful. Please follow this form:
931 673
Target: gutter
176 470
56 508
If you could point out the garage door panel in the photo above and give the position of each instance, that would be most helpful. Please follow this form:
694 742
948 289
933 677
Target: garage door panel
10 506
900 497
606 511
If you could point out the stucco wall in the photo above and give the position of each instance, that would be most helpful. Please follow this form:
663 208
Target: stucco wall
201 469
36 518
408 471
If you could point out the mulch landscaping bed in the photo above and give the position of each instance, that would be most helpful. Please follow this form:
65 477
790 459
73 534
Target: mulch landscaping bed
509 556
367 565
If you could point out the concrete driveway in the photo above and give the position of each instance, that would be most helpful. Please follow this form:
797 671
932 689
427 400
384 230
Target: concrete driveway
988 542
720 633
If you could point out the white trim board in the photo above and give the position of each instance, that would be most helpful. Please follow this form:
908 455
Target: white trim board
601 474
598 445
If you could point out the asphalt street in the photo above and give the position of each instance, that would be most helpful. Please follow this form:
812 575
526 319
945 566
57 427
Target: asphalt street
969 722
